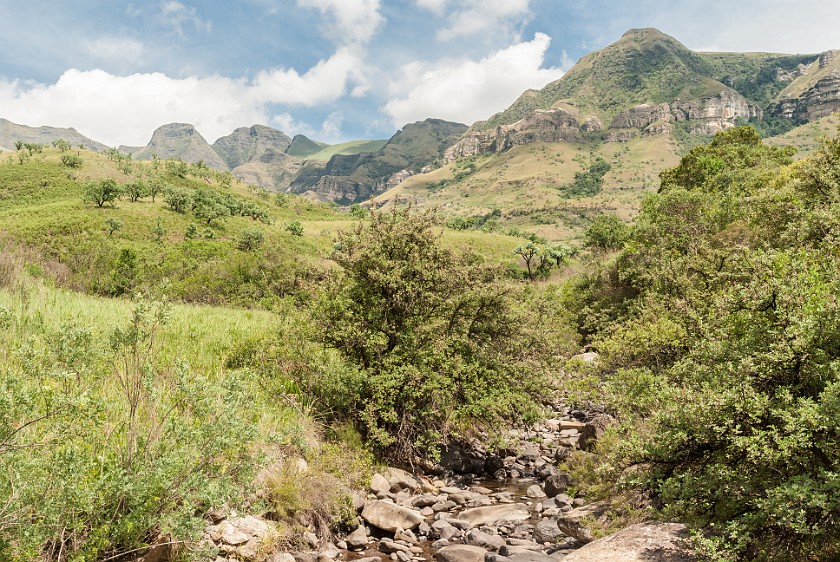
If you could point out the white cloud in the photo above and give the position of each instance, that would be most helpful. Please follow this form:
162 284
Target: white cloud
436 6
126 109
468 90
114 49
350 21
176 14
478 16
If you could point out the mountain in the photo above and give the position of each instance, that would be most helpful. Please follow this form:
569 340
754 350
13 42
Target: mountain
10 133
181 140
249 144
636 105
302 147
351 178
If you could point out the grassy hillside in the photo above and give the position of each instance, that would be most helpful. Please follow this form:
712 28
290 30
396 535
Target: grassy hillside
528 185
302 147
350 147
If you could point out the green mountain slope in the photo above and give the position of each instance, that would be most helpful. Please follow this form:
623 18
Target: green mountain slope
302 147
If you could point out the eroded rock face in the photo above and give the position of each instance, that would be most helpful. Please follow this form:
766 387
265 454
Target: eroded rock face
641 116
645 542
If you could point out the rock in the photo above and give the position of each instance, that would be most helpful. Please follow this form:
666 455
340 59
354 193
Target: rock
460 553
281 557
570 522
535 492
547 531
329 550
485 540
390 547
491 514
401 480
379 484
233 536
369 559
462 460
357 540
593 431
645 542
556 484
390 517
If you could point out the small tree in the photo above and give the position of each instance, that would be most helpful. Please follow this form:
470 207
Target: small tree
540 259
294 228
607 232
250 239
61 145
102 191
136 190
177 199
114 224
71 160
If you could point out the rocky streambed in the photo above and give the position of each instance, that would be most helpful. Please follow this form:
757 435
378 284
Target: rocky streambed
474 507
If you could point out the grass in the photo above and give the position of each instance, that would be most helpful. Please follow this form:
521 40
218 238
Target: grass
351 147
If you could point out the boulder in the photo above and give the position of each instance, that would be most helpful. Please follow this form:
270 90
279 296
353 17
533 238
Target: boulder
489 515
460 553
645 542
547 531
485 540
593 431
556 484
379 484
390 517
357 540
462 460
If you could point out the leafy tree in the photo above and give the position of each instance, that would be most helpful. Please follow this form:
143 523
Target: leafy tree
191 231
209 206
102 191
136 190
250 239
61 145
71 160
540 259
114 224
294 228
607 232
435 333
178 199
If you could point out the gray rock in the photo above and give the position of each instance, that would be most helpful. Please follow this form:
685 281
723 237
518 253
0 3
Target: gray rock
379 484
357 540
535 492
547 531
459 459
556 484
281 557
390 517
492 514
329 550
401 480
593 431
645 542
460 553
480 538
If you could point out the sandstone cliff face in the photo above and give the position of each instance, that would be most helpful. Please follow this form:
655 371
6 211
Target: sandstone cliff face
542 125
820 95
249 144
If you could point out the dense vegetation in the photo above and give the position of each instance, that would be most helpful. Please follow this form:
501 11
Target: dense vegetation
717 324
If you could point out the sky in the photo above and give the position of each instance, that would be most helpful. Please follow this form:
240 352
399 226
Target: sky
337 70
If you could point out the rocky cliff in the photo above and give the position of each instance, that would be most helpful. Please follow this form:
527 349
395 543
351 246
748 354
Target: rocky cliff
814 93
249 144
181 140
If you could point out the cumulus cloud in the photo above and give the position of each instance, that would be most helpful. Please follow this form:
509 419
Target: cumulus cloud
468 90
477 16
350 21
126 109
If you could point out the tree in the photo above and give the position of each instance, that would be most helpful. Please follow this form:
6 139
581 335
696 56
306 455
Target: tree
71 160
136 190
250 239
208 206
102 191
540 259
607 232
178 199
61 145
114 224
294 228
434 332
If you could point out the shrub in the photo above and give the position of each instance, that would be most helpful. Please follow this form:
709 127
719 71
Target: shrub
102 192
250 239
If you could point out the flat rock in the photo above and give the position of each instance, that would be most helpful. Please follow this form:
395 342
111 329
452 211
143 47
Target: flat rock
358 538
460 553
390 517
547 531
489 515
645 542
379 484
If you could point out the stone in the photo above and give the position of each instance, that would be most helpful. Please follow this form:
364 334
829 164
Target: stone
460 553
462 460
369 559
281 557
390 517
329 550
570 522
535 492
358 539
644 542
556 484
489 515
233 536
401 480
480 538
379 484
593 431
547 531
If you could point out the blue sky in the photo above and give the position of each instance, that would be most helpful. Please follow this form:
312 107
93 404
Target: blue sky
337 69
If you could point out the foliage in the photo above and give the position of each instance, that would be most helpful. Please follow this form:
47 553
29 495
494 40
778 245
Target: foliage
588 183
722 322
540 259
102 191
294 228
607 232
442 342
71 160
250 239
177 199
136 190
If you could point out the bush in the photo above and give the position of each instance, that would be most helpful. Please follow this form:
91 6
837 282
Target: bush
294 228
440 339
607 232
250 239
102 192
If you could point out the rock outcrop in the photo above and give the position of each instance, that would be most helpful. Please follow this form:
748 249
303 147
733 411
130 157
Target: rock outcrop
181 140
645 542
251 144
